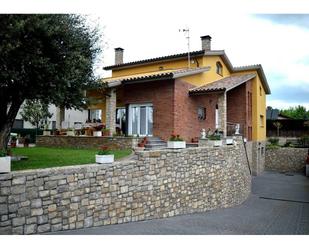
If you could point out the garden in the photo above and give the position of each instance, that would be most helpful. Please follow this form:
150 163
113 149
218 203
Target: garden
43 157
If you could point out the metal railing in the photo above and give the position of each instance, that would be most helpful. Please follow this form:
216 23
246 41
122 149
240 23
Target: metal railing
234 129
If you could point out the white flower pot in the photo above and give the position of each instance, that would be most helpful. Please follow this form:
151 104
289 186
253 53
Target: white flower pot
70 133
97 133
46 133
5 164
104 158
229 141
217 143
176 144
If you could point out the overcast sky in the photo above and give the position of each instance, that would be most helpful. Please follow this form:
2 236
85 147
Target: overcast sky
147 29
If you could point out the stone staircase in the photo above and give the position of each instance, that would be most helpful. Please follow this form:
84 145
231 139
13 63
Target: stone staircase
155 143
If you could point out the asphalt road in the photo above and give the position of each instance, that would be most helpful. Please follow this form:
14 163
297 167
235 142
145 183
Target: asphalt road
279 204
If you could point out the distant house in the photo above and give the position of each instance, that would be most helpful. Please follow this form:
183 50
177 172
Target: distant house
290 127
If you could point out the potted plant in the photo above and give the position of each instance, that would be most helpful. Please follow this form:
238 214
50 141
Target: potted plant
104 155
215 140
5 162
176 142
70 132
13 141
106 132
141 145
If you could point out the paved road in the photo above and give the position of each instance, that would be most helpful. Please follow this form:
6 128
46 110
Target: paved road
279 204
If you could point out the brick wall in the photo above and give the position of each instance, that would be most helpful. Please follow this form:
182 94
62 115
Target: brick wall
159 184
238 107
161 95
187 123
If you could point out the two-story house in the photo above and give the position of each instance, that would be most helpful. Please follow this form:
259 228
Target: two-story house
171 94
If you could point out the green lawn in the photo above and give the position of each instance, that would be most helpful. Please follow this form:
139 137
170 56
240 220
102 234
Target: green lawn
41 157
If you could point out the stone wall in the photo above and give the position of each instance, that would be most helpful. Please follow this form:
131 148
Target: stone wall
86 142
286 159
158 184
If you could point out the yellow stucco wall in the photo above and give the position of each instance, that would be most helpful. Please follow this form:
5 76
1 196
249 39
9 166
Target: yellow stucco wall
176 64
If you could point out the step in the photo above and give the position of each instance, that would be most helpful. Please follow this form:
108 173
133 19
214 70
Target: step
155 145
156 142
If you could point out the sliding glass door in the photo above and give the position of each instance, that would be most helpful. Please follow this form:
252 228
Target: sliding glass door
141 119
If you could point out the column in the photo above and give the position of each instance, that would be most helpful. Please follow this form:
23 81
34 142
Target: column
111 110
222 113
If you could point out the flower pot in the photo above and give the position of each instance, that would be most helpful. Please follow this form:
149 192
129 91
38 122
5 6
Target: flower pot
104 158
70 133
46 133
176 144
229 141
217 143
97 133
5 164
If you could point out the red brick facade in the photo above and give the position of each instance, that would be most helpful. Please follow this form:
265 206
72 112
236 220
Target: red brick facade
174 111
187 123
161 95
239 108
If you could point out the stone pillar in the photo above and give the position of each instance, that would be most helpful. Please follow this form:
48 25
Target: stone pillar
60 114
222 113
111 110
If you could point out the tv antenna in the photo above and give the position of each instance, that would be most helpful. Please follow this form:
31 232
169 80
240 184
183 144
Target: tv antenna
186 31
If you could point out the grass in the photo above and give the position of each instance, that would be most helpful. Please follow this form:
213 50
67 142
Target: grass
42 157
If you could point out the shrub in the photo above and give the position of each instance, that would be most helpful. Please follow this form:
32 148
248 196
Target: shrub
3 153
303 142
214 137
175 138
273 141
103 150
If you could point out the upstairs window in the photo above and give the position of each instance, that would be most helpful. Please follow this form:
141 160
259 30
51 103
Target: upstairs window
219 68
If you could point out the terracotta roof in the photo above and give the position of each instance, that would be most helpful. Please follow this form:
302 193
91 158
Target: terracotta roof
157 75
162 58
224 84
220 53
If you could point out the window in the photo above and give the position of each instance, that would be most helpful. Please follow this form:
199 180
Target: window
261 121
219 68
260 91
217 117
201 113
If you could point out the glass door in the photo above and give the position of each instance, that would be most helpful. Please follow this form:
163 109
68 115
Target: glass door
141 120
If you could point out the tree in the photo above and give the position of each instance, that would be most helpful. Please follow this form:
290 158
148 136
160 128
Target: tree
298 112
278 125
35 112
48 58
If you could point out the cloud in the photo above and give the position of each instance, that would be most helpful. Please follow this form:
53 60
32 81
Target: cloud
301 20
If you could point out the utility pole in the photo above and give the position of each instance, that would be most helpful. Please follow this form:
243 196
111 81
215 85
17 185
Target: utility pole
187 33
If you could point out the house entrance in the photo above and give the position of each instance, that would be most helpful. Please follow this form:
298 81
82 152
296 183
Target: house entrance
140 120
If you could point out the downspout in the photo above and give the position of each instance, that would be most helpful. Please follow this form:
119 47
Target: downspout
247 156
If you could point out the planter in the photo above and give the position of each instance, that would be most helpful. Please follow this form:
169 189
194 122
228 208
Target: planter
70 133
138 149
229 141
217 143
46 133
5 164
176 144
97 133
104 158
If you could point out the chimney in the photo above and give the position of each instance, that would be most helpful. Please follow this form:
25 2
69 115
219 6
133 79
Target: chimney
118 56
206 42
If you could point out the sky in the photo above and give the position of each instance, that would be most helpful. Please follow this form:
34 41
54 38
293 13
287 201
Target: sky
250 32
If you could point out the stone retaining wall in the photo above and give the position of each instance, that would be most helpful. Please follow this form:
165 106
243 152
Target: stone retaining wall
286 159
86 142
159 184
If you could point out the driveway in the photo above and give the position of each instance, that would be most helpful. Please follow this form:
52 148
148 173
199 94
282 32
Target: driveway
279 204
